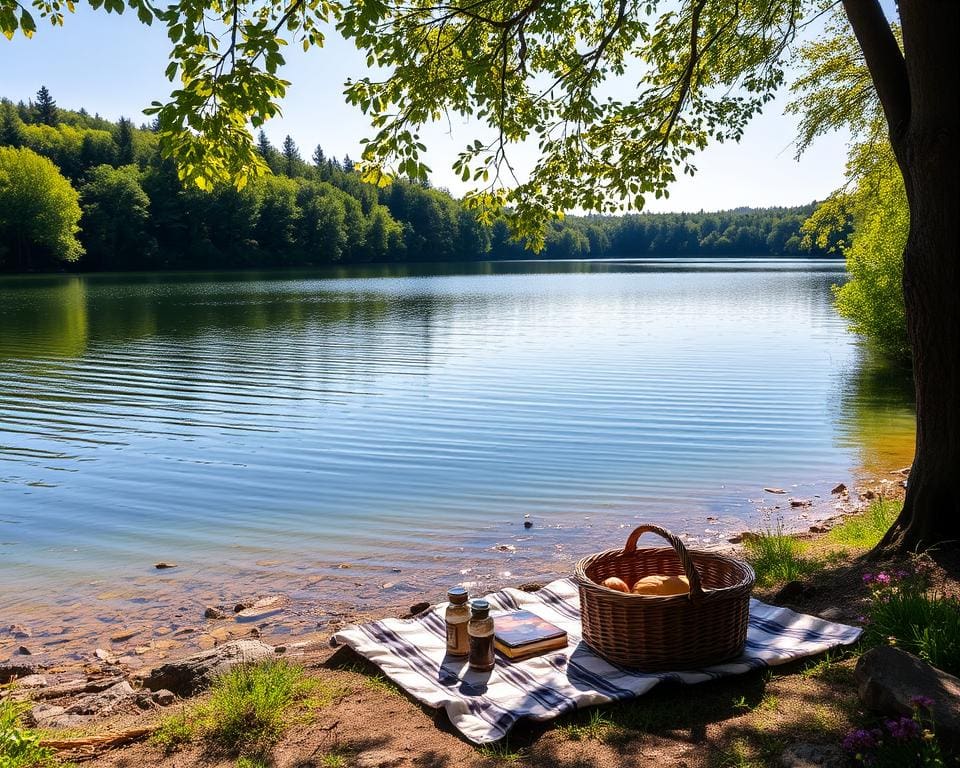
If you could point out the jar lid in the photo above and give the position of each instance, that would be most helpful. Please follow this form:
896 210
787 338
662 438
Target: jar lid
457 595
480 608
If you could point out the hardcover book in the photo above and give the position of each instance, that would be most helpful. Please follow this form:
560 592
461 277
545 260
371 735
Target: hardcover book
520 634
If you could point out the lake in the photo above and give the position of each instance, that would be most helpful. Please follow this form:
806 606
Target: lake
385 432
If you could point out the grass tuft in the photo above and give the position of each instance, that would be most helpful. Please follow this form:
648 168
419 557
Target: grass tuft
248 710
20 746
865 530
501 752
777 557
595 726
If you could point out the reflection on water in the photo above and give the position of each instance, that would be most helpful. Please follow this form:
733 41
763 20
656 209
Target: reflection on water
409 418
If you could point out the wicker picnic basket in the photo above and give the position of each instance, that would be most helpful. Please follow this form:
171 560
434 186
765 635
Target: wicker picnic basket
706 626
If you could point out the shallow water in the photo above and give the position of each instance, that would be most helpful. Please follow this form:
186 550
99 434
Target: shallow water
262 428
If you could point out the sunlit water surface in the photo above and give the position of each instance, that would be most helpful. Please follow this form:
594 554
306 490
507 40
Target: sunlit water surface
262 429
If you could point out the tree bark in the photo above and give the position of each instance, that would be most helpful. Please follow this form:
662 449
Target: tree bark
927 146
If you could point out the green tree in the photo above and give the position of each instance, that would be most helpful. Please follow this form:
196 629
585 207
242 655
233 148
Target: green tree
116 218
291 157
125 150
46 107
39 210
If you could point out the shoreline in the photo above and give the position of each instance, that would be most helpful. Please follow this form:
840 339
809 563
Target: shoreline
307 612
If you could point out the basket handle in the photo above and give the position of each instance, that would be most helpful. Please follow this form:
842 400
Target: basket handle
696 589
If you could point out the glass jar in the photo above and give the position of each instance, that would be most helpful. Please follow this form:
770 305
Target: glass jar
456 616
480 629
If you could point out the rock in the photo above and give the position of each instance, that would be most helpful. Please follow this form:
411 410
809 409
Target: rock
796 503
51 716
240 607
813 756
163 697
505 548
531 586
206 642
20 632
104 702
184 631
24 651
196 672
888 678
818 529
388 585
419 608
105 656
789 592
774 490
162 566
210 612
841 488
868 495
123 635
32 681
737 538
10 671
527 524
280 649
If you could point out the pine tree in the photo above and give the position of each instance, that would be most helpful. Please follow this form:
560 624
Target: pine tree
46 107
347 164
319 158
291 157
264 147
124 140
11 133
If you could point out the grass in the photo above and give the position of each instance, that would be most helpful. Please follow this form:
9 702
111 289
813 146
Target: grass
921 623
501 751
865 530
248 711
20 746
594 725
777 557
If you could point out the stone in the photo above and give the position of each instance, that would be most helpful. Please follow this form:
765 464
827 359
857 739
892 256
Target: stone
24 651
105 656
419 608
206 642
9 672
737 538
162 566
184 631
531 586
126 634
52 716
105 701
797 503
210 612
813 756
818 529
163 697
868 495
196 672
838 489
505 548
774 490
888 678
32 681
20 632
527 524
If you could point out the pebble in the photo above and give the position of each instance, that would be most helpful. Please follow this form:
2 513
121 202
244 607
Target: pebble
774 490
20 632
210 612
161 566
527 524
126 634
841 488
184 631
24 651
163 697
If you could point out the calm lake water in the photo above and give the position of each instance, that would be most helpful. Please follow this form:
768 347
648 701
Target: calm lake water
257 427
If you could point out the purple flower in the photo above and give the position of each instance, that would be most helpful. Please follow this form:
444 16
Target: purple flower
883 578
860 740
904 728
922 701
901 574
868 578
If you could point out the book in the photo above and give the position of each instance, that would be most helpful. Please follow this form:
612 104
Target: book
519 634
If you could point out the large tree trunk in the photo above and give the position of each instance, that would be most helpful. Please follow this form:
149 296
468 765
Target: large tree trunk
927 145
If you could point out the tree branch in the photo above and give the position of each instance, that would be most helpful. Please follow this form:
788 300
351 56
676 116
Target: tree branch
884 61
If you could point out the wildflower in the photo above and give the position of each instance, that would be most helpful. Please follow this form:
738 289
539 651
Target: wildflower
922 701
868 578
860 740
904 728
883 578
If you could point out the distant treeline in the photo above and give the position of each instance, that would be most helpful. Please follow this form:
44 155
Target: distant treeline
136 215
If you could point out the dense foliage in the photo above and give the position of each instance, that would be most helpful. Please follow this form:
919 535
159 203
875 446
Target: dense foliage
136 213
834 92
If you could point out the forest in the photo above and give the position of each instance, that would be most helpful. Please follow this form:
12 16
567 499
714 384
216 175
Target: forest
78 192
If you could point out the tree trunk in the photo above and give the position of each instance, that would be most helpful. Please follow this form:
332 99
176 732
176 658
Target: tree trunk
928 150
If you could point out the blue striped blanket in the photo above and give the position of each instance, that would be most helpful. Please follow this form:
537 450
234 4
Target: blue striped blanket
484 706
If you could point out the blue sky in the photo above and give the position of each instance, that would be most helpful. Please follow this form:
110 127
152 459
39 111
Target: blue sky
112 65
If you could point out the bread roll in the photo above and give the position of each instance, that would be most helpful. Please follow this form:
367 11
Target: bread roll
620 585
661 586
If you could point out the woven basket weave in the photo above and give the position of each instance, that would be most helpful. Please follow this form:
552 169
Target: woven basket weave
652 632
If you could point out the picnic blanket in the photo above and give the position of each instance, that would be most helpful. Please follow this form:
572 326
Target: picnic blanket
484 706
